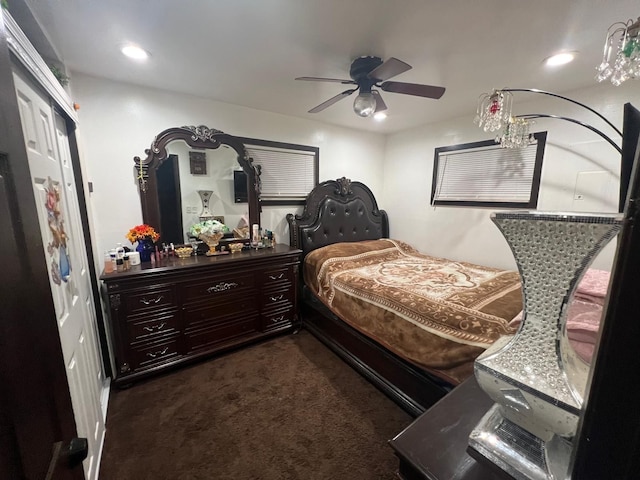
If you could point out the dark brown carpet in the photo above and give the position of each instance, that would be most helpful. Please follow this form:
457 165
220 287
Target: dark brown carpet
287 408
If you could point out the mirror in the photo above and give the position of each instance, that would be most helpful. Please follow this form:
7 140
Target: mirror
190 169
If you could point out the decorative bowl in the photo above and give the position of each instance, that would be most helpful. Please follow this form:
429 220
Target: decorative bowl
212 240
184 252
235 247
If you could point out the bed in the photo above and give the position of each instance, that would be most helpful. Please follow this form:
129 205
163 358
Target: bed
355 278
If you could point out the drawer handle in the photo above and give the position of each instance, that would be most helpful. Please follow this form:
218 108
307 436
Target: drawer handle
276 277
154 327
277 319
222 286
149 302
275 299
158 354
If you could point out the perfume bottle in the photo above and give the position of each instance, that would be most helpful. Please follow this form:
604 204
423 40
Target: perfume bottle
255 234
108 263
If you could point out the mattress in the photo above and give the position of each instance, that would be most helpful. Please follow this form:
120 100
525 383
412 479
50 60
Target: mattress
435 313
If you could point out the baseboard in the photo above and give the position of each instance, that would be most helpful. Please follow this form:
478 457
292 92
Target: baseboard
104 398
96 470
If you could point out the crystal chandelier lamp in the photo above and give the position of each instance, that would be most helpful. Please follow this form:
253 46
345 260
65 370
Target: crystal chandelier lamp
621 56
494 114
535 378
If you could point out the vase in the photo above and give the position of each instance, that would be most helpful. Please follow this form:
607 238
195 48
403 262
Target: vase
535 377
146 248
205 196
212 240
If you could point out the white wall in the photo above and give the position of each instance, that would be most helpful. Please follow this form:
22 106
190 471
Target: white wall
118 121
468 234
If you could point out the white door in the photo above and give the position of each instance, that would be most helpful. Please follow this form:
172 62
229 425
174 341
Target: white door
60 224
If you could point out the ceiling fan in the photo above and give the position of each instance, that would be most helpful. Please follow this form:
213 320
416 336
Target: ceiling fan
368 72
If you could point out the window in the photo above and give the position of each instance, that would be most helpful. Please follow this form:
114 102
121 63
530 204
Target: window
483 174
288 171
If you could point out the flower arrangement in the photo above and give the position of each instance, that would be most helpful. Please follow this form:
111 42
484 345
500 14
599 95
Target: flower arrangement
142 231
207 227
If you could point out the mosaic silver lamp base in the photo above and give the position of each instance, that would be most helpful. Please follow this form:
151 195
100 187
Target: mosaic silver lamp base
535 377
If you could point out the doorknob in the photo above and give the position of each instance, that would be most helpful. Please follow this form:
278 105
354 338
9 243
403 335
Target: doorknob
66 457
77 451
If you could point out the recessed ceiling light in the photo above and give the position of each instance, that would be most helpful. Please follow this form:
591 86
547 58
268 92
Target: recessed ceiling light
135 52
560 59
379 116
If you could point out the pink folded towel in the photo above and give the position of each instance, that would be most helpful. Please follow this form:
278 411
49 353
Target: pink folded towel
593 286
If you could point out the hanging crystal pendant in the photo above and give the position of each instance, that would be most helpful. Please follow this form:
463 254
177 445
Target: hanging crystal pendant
516 134
493 110
623 44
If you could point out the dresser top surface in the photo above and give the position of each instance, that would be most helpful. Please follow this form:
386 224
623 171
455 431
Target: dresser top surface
435 444
172 264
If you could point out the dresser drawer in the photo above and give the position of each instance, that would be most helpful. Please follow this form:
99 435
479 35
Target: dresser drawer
277 277
151 327
277 299
199 316
219 288
150 299
151 355
220 334
276 319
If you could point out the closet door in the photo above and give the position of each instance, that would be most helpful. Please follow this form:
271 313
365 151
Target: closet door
60 226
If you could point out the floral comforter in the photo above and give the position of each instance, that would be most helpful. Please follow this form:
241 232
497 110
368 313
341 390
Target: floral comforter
436 313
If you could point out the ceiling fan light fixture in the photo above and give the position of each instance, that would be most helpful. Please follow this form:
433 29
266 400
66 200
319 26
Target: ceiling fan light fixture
364 104
367 72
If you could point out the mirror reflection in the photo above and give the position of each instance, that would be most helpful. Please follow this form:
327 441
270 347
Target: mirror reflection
188 166
197 184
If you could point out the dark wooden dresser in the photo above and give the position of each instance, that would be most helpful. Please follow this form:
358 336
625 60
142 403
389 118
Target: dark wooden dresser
182 309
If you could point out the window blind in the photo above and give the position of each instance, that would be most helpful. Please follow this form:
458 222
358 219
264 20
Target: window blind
286 174
488 174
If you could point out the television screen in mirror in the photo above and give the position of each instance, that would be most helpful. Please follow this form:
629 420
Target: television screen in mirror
240 194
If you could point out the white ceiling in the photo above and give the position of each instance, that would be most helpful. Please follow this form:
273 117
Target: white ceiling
248 52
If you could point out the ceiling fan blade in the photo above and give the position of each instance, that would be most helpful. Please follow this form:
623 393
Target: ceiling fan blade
332 100
428 91
321 79
388 69
380 105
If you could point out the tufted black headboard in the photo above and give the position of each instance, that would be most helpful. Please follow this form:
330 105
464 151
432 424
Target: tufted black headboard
337 211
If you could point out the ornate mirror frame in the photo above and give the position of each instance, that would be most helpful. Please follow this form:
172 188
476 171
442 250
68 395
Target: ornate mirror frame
200 137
